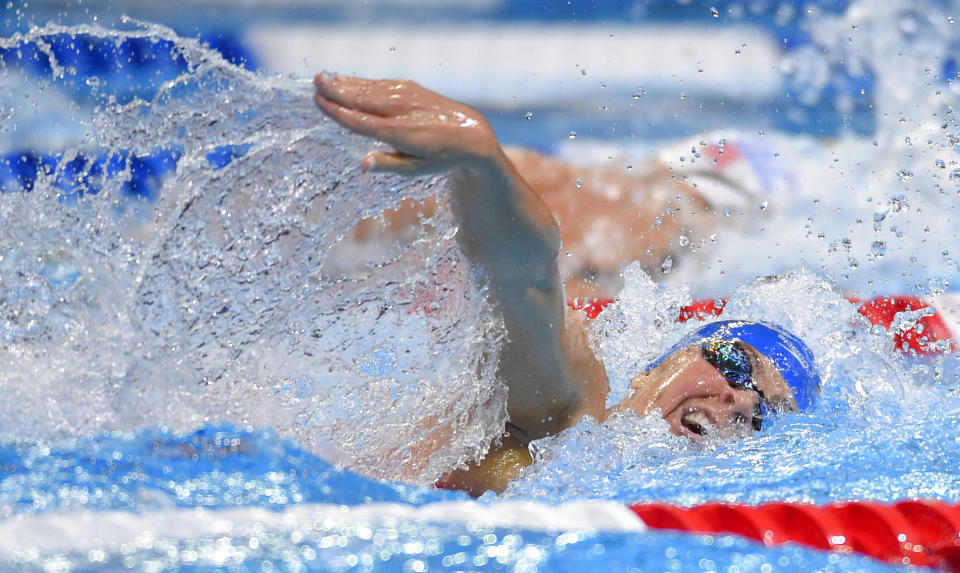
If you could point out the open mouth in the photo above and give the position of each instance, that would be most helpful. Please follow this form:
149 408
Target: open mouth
697 423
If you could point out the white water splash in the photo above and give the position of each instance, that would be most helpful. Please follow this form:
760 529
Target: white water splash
212 304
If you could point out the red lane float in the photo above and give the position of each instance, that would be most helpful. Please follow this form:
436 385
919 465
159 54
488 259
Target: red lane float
929 329
922 533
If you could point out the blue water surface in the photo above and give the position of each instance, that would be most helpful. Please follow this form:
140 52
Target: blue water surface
220 466
216 466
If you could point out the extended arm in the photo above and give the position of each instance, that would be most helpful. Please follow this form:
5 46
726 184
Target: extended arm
503 226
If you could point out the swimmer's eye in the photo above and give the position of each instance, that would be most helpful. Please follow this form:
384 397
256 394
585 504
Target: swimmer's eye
732 361
730 358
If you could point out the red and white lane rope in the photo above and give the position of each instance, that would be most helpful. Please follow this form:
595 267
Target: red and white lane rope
918 532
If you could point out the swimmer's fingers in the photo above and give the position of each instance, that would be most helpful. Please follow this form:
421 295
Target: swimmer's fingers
385 98
362 123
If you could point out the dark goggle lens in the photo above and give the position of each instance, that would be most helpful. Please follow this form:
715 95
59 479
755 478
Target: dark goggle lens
731 360
733 363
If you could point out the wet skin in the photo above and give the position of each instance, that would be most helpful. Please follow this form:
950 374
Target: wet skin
697 401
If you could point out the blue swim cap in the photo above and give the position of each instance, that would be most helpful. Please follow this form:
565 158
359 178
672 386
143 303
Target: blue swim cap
791 356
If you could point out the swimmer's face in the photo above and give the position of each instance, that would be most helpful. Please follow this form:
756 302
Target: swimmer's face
697 400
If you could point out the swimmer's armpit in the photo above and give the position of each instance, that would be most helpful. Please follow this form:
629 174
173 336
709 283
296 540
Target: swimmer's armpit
500 465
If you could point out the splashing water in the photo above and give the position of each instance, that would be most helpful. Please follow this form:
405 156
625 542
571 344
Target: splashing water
215 305
888 201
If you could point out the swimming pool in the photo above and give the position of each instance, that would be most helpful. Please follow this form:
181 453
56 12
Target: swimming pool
172 341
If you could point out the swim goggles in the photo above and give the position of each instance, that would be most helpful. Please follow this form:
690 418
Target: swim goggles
732 361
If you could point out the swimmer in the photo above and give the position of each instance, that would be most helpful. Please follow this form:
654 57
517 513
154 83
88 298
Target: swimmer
722 379
607 218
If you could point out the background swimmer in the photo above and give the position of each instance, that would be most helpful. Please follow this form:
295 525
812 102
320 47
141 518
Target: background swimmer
607 218
657 214
717 383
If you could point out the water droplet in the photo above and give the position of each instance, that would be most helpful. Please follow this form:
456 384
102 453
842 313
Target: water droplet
629 166
528 116
393 49
878 248
940 163
714 12
713 238
899 203
852 262
572 135
667 265
904 174
937 286
579 182
583 71
763 205
683 240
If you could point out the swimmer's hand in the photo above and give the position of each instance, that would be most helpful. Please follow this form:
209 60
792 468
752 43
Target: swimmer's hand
428 132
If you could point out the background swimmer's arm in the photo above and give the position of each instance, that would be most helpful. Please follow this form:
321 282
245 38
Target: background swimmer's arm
503 226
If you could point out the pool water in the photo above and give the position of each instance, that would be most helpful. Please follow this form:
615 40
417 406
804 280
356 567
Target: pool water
131 503
189 387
